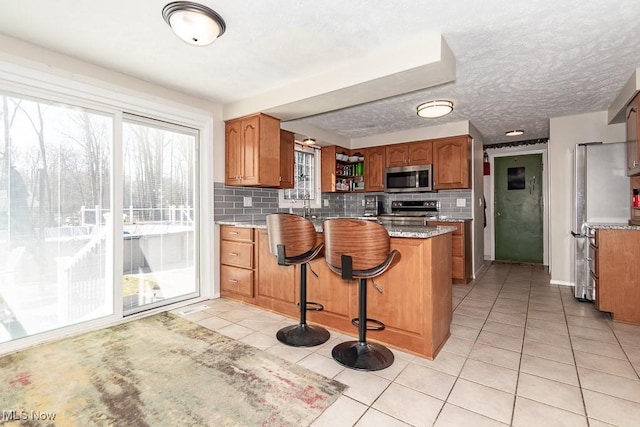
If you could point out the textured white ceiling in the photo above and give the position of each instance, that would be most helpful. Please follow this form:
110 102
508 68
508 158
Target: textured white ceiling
518 62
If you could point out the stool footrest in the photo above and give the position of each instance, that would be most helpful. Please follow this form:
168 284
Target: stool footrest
378 325
313 306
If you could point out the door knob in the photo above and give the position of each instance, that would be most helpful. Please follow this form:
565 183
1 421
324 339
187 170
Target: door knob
497 213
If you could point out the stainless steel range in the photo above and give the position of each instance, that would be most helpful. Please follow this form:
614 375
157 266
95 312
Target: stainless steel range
411 212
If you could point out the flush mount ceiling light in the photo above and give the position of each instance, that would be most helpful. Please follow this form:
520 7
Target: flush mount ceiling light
515 132
435 109
309 141
194 23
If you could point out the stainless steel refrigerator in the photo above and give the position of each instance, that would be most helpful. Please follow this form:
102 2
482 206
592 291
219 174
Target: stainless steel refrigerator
601 196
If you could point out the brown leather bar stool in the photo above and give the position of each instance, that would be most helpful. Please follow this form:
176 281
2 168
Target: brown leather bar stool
292 240
359 249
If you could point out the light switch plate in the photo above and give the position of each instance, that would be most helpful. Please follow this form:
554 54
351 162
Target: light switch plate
325 202
461 203
247 202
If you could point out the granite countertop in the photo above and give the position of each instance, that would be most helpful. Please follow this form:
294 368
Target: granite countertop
410 231
613 226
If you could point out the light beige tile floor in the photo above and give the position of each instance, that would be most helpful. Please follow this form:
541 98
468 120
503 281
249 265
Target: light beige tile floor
522 352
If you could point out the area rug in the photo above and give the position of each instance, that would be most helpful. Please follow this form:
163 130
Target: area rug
161 370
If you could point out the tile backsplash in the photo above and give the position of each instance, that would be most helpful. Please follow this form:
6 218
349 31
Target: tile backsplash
229 203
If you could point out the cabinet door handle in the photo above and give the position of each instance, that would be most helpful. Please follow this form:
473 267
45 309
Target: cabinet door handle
233 232
234 281
233 254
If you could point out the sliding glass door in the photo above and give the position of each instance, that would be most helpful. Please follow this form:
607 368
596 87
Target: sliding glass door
59 241
159 213
54 234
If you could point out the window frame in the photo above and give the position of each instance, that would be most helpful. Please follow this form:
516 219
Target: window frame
316 202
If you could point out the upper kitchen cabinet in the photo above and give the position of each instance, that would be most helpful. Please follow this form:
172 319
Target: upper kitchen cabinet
374 168
252 149
287 146
411 153
633 140
342 169
452 163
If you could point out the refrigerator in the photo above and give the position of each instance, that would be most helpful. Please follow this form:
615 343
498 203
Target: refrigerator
601 196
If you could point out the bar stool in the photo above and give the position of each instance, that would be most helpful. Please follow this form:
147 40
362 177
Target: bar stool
359 249
292 240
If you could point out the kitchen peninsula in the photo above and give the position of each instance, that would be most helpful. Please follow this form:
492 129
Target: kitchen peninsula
413 298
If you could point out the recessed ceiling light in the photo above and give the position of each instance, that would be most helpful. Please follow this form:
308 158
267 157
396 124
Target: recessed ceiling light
309 141
194 23
515 132
435 109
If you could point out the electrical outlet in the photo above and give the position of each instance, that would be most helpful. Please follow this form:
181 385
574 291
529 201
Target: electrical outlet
325 203
247 202
363 203
461 203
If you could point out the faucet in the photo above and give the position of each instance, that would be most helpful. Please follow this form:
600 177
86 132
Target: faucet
307 209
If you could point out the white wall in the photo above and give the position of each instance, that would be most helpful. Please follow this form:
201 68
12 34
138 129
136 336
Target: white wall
564 134
477 194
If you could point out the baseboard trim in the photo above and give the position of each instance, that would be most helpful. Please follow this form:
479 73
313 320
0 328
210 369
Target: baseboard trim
561 283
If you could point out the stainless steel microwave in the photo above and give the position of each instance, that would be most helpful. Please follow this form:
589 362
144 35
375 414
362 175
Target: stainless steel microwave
405 179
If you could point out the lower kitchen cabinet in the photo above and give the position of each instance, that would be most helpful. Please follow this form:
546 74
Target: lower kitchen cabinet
236 262
276 286
615 257
461 258
413 298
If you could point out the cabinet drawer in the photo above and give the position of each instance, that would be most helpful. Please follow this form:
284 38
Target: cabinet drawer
457 249
237 254
237 280
238 234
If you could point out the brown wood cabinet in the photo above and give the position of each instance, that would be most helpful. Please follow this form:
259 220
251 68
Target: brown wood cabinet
252 149
276 286
633 139
615 256
415 303
461 255
374 161
236 262
452 163
287 147
410 153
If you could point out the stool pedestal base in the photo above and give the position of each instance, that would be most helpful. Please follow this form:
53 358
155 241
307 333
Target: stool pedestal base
302 335
363 356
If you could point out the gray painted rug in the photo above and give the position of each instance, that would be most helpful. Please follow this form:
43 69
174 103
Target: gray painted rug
161 370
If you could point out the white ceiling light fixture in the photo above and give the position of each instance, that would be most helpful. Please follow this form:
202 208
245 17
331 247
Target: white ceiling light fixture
435 109
515 132
194 23
309 141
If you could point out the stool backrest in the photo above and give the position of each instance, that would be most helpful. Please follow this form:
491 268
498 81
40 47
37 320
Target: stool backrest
367 242
295 233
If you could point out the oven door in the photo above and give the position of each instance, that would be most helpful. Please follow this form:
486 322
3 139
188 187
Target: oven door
405 179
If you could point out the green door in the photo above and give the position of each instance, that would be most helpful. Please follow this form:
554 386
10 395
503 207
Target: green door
518 208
